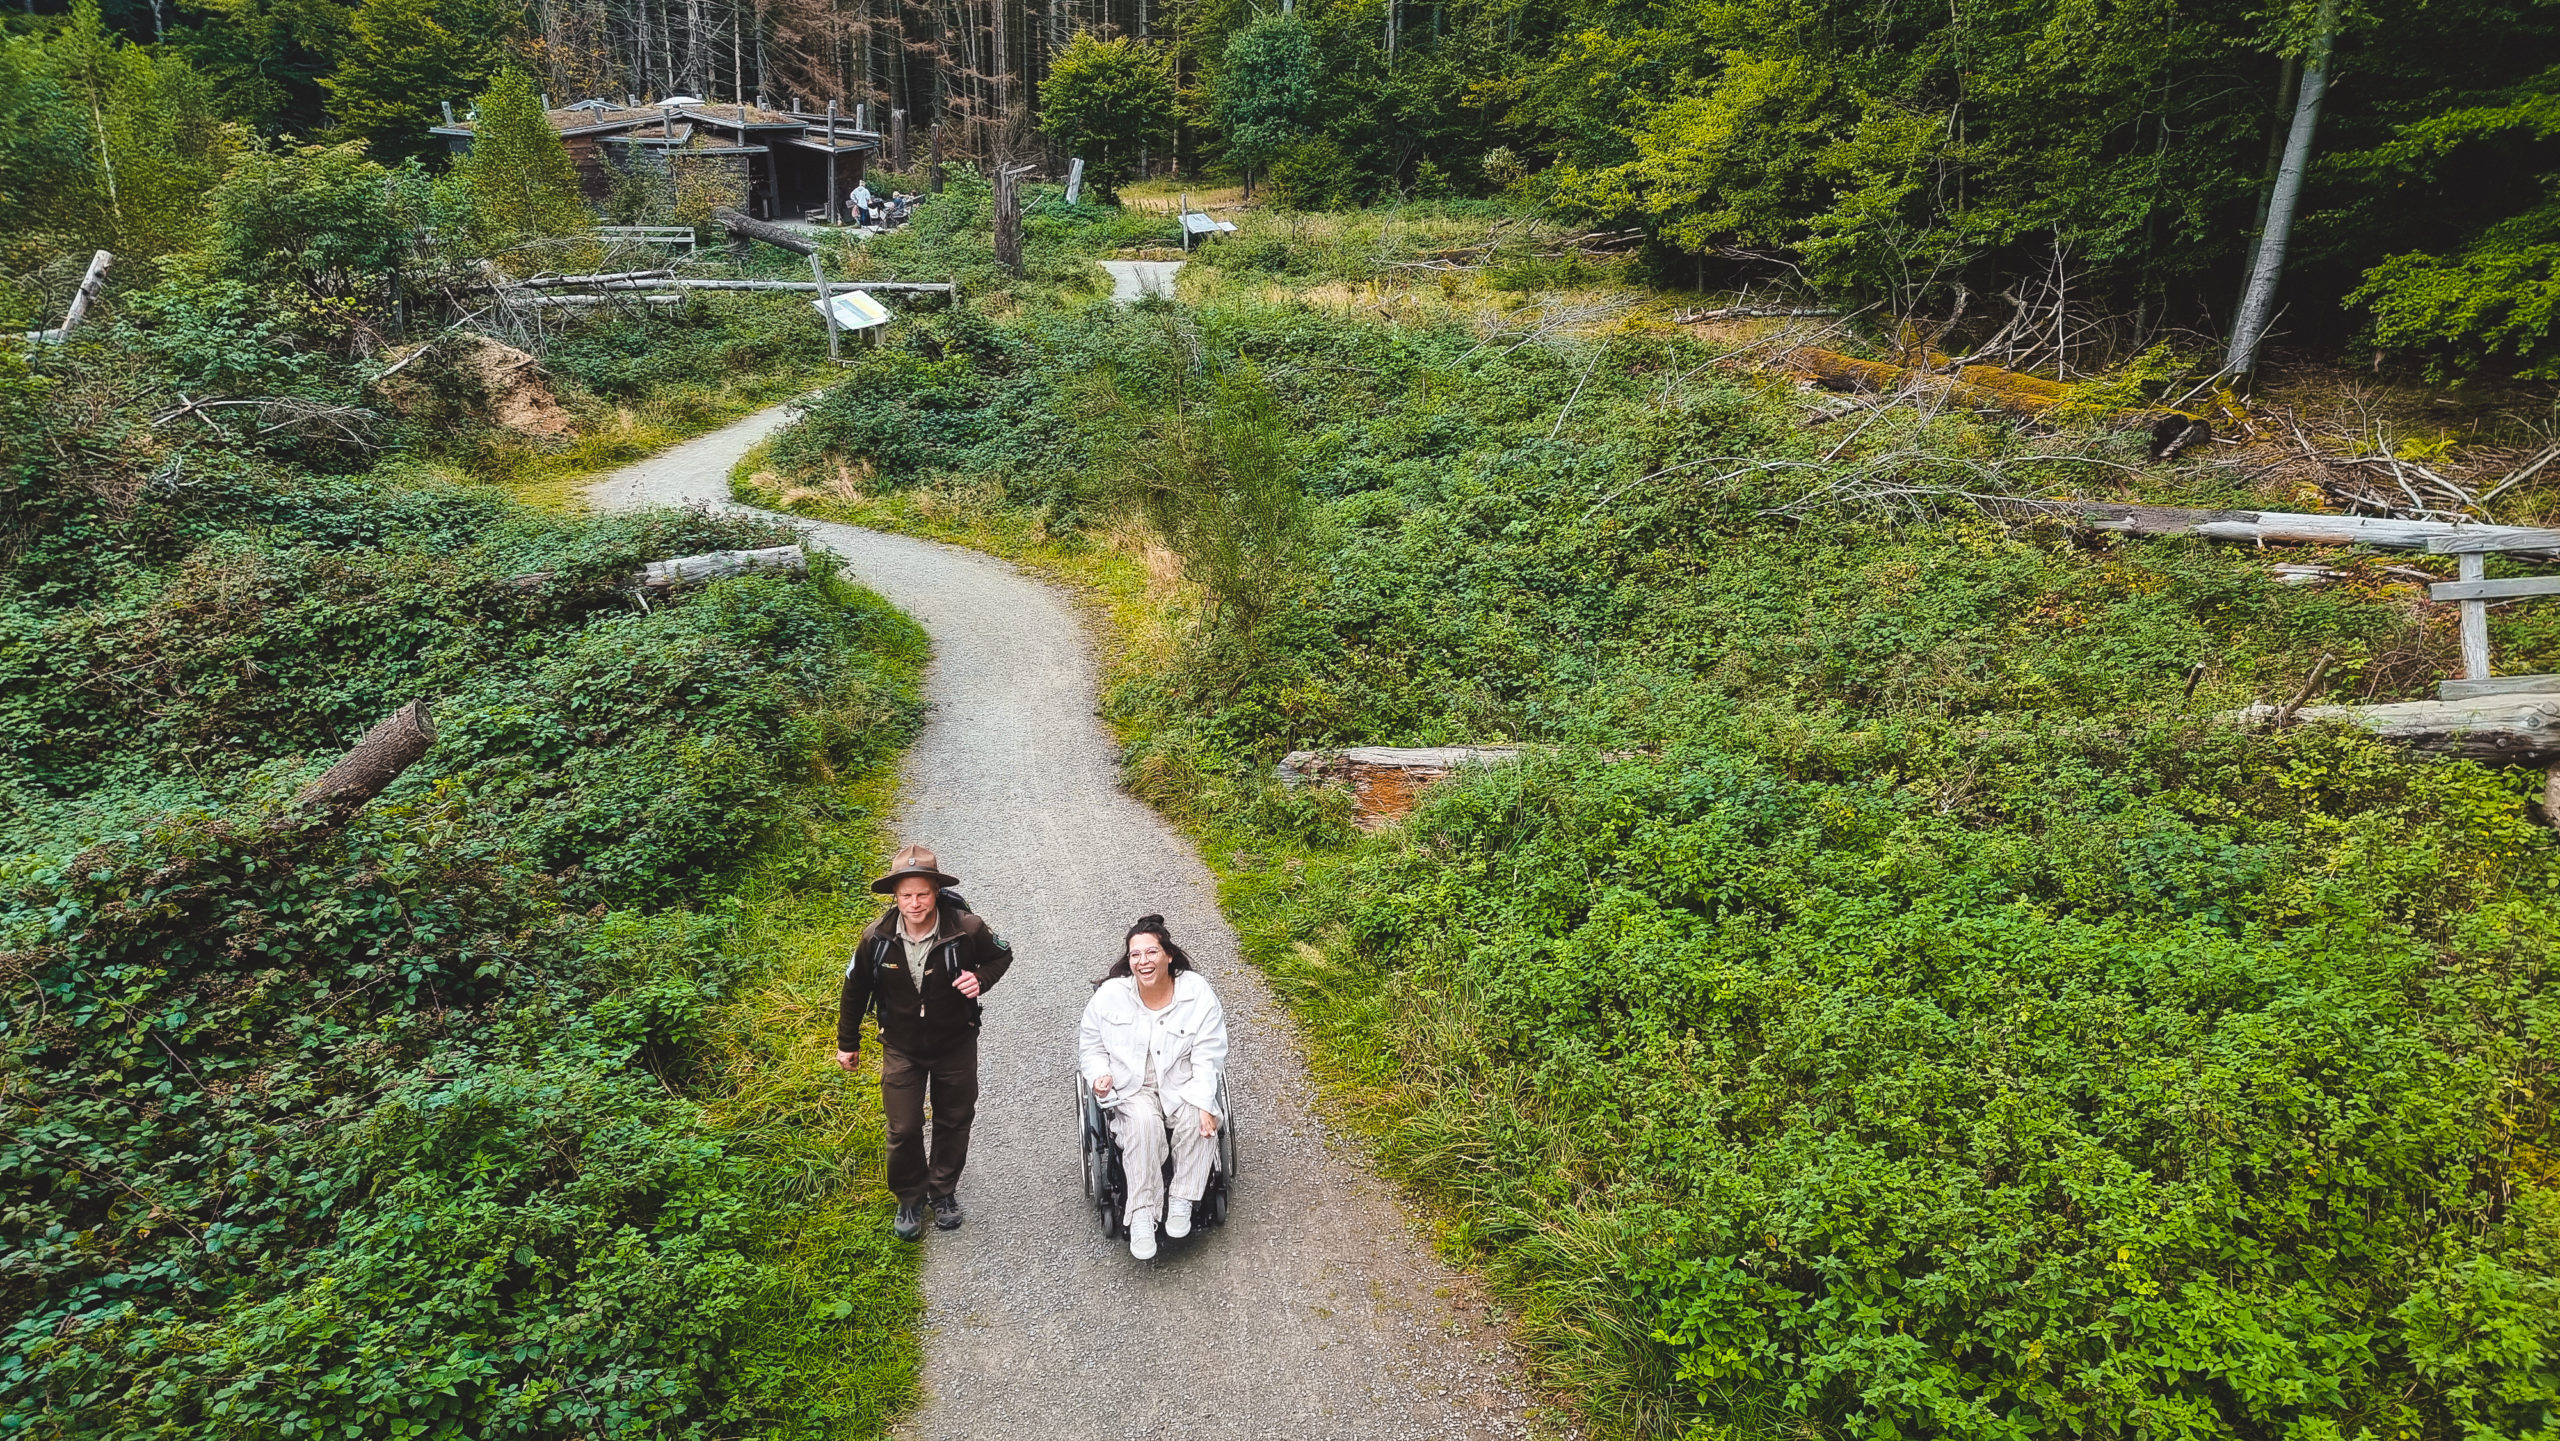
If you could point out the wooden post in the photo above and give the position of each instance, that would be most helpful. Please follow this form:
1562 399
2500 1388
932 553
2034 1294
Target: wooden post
826 305
2475 622
1008 206
898 141
90 285
933 155
1075 179
835 202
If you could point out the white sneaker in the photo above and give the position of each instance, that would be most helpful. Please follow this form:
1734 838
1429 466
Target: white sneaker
1177 1219
1142 1236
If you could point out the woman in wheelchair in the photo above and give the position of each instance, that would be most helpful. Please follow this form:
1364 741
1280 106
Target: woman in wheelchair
1153 1046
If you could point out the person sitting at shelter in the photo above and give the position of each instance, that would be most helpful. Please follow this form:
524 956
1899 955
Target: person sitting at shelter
1153 1045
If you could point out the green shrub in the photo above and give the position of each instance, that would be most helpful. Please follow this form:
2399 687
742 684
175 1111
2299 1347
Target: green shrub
399 1126
1891 1002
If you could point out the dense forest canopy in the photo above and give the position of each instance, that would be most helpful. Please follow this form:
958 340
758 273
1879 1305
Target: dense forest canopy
1925 156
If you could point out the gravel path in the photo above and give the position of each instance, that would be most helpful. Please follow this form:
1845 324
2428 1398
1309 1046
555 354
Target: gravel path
1317 1311
1132 280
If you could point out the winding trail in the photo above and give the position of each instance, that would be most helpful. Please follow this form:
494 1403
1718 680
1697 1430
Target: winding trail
1317 1311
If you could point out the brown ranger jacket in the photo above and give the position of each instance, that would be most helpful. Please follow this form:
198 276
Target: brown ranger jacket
919 1021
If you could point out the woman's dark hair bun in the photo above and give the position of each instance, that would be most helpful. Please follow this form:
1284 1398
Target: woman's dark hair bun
1151 919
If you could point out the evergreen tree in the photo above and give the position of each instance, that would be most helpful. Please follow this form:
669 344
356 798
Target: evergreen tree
517 175
1108 100
401 58
1267 89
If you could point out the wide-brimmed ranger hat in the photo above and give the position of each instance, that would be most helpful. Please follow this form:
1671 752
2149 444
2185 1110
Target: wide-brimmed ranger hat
913 861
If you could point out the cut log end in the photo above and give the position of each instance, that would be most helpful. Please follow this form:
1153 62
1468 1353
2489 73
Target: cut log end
1386 782
392 746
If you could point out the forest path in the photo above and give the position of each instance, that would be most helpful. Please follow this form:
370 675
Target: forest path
1317 1311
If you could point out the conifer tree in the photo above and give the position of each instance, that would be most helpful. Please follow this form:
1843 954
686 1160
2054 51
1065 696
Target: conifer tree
1107 100
402 57
518 175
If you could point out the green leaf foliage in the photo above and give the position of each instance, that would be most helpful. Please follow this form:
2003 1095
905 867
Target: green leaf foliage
402 1125
1892 998
1108 101
517 174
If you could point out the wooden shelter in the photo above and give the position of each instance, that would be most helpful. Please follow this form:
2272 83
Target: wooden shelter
771 164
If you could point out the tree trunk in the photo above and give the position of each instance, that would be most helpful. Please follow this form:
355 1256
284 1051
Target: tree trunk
747 227
2257 306
1008 206
693 569
2511 730
377 760
2288 91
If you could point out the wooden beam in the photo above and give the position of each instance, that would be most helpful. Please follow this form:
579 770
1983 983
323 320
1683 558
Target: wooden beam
2511 730
2498 686
2279 527
2495 589
2475 621
2489 539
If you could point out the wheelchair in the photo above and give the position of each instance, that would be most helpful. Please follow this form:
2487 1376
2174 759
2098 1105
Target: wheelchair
1106 1184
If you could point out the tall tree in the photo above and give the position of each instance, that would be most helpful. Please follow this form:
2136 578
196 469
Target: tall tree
517 174
1267 89
1107 101
2257 303
404 57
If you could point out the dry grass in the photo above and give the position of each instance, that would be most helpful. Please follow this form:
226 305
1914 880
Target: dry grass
555 477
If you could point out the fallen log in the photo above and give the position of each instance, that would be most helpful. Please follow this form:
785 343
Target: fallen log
651 299
925 287
91 284
1754 312
662 575
721 564
391 747
2498 730
749 228
1385 781
2279 527
562 282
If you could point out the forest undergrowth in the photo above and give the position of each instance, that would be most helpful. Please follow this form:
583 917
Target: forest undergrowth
1891 997
502 1106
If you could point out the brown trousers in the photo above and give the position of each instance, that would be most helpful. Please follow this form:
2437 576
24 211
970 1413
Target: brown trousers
950 1079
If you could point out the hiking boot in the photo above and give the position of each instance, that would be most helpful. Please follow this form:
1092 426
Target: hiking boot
1177 1218
946 1212
910 1222
1142 1236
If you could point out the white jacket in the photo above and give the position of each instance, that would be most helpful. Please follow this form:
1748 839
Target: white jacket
1190 1041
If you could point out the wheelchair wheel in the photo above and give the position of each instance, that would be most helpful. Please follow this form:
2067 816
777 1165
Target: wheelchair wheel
1105 1185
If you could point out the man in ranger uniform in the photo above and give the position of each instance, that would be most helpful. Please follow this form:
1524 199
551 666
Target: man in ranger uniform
924 963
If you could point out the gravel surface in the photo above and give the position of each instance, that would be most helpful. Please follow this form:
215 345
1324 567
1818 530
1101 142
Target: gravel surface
1131 279
1318 1310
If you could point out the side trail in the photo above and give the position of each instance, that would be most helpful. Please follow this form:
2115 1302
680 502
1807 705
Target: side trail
1316 1312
